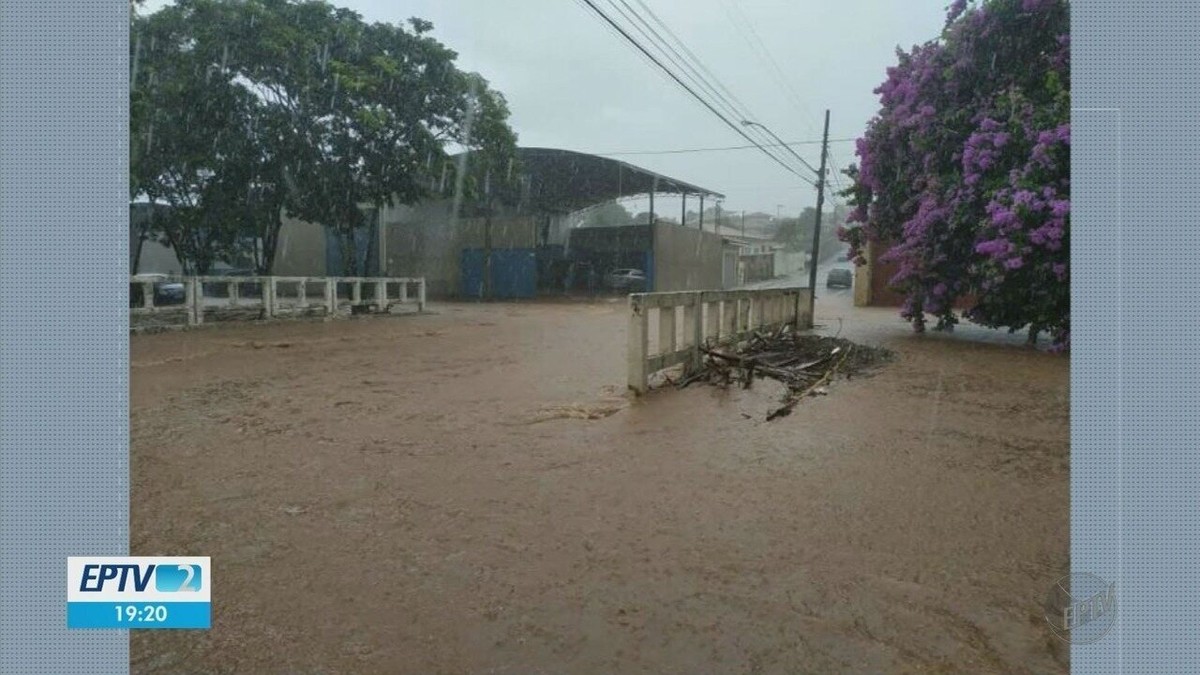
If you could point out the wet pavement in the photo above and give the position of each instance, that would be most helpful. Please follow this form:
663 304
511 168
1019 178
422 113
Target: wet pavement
473 491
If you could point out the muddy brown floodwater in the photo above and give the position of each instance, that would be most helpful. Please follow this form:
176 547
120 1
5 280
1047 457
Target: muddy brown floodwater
472 491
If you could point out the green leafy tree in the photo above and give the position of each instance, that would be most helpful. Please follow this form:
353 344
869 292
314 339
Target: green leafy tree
306 109
183 123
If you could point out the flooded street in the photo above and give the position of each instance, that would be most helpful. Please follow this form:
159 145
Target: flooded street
473 491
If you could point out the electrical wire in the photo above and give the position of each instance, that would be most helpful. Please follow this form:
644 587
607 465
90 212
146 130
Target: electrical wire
692 67
681 151
745 28
677 79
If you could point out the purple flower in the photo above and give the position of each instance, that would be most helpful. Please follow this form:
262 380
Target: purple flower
1014 263
995 247
1039 155
956 9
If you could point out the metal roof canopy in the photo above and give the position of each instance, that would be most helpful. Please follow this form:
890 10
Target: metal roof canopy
566 181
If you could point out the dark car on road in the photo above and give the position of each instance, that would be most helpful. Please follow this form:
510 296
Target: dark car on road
839 278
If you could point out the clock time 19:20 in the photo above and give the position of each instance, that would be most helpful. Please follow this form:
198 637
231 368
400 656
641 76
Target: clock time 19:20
141 614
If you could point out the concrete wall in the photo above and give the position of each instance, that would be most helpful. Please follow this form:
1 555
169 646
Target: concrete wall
427 241
301 249
686 259
729 271
758 267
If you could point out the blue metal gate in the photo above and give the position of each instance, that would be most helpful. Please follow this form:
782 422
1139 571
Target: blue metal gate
514 273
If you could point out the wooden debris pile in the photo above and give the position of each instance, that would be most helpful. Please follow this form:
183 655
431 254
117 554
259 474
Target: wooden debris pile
805 364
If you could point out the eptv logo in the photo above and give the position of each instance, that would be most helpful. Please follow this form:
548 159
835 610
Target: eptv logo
139 592
168 577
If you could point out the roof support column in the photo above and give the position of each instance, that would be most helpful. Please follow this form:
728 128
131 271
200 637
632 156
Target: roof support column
683 208
701 211
653 189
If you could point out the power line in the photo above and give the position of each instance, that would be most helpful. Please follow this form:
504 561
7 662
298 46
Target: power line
835 171
692 66
647 31
745 26
632 41
738 106
681 151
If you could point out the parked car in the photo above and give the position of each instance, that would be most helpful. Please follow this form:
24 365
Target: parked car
626 280
839 278
166 291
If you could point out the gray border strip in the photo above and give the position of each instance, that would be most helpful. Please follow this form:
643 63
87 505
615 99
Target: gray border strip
64 346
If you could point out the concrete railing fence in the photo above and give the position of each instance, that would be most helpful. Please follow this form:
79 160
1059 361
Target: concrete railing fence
690 319
278 296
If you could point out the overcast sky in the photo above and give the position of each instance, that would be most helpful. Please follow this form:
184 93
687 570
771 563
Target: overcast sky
572 83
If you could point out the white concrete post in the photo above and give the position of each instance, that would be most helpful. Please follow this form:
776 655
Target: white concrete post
804 317
189 300
269 294
403 292
356 294
197 300
381 295
148 294
302 294
232 286
421 295
712 321
330 296
638 343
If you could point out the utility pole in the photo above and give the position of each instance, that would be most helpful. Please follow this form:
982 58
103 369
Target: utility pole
816 247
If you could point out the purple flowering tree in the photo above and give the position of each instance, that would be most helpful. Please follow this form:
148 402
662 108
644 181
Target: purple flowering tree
965 171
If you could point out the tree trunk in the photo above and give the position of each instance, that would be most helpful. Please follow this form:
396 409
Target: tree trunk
269 236
137 250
